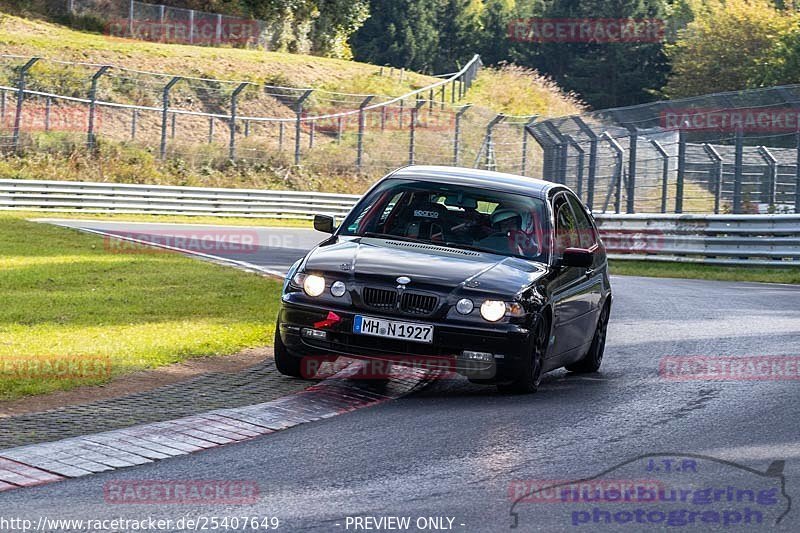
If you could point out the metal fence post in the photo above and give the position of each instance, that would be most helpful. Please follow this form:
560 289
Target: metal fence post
281 127
737 172
172 121
20 98
716 159
218 30
164 113
413 131
488 143
664 173
593 145
383 118
247 128
796 175
3 109
298 109
191 26
524 163
362 125
130 19
617 185
210 130
772 182
90 137
232 123
457 134
339 128
581 155
400 115
48 104
681 170
561 153
134 117
630 192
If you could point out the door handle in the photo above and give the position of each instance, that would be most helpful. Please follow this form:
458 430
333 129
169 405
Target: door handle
589 272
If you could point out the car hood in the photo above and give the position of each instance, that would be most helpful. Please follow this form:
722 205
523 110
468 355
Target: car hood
428 266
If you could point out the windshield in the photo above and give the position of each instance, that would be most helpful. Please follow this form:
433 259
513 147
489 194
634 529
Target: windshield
454 216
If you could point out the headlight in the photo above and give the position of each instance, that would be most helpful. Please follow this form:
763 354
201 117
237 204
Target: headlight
312 284
493 310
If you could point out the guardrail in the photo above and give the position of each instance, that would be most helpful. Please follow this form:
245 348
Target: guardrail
756 240
90 197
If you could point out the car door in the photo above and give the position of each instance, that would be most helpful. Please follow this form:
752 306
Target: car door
592 287
568 303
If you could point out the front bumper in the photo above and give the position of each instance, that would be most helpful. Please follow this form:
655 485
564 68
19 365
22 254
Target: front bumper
508 343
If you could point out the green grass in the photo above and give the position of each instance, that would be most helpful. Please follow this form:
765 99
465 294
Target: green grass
696 271
65 297
32 37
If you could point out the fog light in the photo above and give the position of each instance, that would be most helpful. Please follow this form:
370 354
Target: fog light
338 288
314 333
477 356
465 306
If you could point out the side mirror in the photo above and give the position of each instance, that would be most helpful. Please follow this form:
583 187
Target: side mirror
324 223
577 257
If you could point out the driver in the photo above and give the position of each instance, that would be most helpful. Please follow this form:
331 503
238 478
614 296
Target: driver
508 233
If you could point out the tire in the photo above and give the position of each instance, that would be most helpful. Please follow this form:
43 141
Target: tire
594 357
530 375
286 363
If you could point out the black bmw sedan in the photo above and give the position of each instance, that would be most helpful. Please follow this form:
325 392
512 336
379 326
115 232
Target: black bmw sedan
494 276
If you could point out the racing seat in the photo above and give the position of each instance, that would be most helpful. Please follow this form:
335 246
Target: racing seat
426 221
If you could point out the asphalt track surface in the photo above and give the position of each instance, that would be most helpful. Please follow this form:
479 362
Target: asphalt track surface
462 451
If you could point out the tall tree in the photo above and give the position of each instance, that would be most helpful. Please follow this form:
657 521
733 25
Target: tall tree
605 73
459 32
730 45
402 33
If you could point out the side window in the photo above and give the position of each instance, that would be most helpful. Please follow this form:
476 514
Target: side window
585 229
566 227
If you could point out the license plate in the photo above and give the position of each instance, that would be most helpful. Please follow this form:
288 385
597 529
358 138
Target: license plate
392 329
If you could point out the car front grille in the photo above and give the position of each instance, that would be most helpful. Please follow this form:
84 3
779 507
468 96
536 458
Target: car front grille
417 304
379 298
411 303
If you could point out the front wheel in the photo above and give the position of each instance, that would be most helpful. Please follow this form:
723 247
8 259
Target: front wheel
530 375
594 357
286 363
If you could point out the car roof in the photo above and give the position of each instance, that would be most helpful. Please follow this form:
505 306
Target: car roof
477 178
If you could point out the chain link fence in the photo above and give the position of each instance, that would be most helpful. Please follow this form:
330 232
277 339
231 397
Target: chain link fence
734 152
723 153
167 24
48 105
